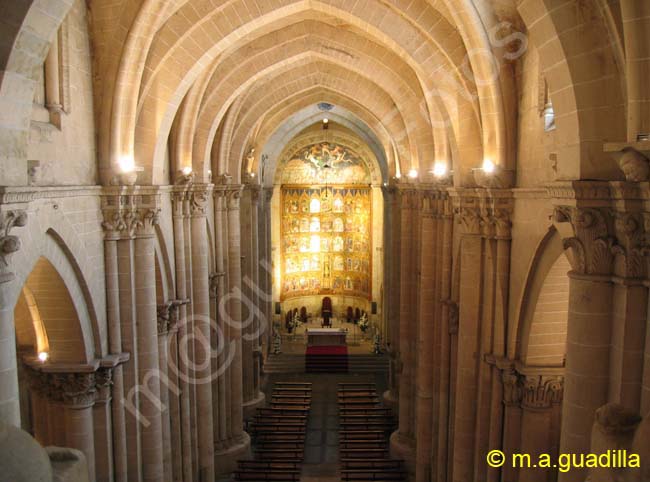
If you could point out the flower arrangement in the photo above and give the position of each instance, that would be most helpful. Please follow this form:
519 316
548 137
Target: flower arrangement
363 322
295 322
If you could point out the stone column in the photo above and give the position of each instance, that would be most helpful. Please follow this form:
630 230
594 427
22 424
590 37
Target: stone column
229 309
425 340
77 391
512 393
52 82
259 321
164 324
9 244
247 308
393 243
147 340
589 326
222 390
202 328
448 317
234 312
541 394
183 419
174 392
111 267
104 459
469 346
403 440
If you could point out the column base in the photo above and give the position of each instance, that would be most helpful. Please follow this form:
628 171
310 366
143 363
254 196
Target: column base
252 405
225 461
390 400
402 447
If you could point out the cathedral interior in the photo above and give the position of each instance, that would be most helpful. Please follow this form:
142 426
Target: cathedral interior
324 240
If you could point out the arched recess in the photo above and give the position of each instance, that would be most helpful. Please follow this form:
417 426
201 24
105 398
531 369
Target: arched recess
46 322
542 321
46 317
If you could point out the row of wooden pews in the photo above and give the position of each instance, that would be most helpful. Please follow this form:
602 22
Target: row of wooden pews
278 433
363 438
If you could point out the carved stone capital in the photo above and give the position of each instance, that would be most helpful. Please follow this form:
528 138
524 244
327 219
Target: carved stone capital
76 390
198 200
104 382
590 238
541 391
164 318
512 390
630 249
130 214
233 197
9 243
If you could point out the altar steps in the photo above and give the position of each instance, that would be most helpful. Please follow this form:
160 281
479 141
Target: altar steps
326 363
294 363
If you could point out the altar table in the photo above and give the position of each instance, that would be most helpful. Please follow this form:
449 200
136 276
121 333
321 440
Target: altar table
326 336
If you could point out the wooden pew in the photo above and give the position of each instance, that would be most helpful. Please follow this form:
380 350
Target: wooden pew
357 385
268 464
366 435
268 474
266 428
372 475
372 464
365 411
294 455
292 385
290 406
280 437
281 412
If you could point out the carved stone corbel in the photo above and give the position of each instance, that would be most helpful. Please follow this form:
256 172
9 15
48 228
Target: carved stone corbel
9 243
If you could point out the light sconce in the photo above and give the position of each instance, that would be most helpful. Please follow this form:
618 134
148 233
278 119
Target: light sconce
488 166
43 356
440 169
128 171
413 174
127 164
185 175
493 176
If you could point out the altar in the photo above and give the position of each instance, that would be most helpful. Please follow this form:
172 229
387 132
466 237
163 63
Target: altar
326 337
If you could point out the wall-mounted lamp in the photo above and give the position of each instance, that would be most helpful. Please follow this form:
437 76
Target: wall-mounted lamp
43 356
128 171
493 176
488 166
127 164
440 169
413 174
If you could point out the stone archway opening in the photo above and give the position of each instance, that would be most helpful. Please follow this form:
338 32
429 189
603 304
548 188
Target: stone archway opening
48 331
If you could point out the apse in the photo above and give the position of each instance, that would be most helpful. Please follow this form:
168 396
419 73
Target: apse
328 221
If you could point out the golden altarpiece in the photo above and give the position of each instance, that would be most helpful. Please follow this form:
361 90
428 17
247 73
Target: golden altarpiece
326 234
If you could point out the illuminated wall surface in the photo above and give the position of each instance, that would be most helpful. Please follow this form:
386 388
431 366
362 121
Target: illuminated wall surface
326 224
